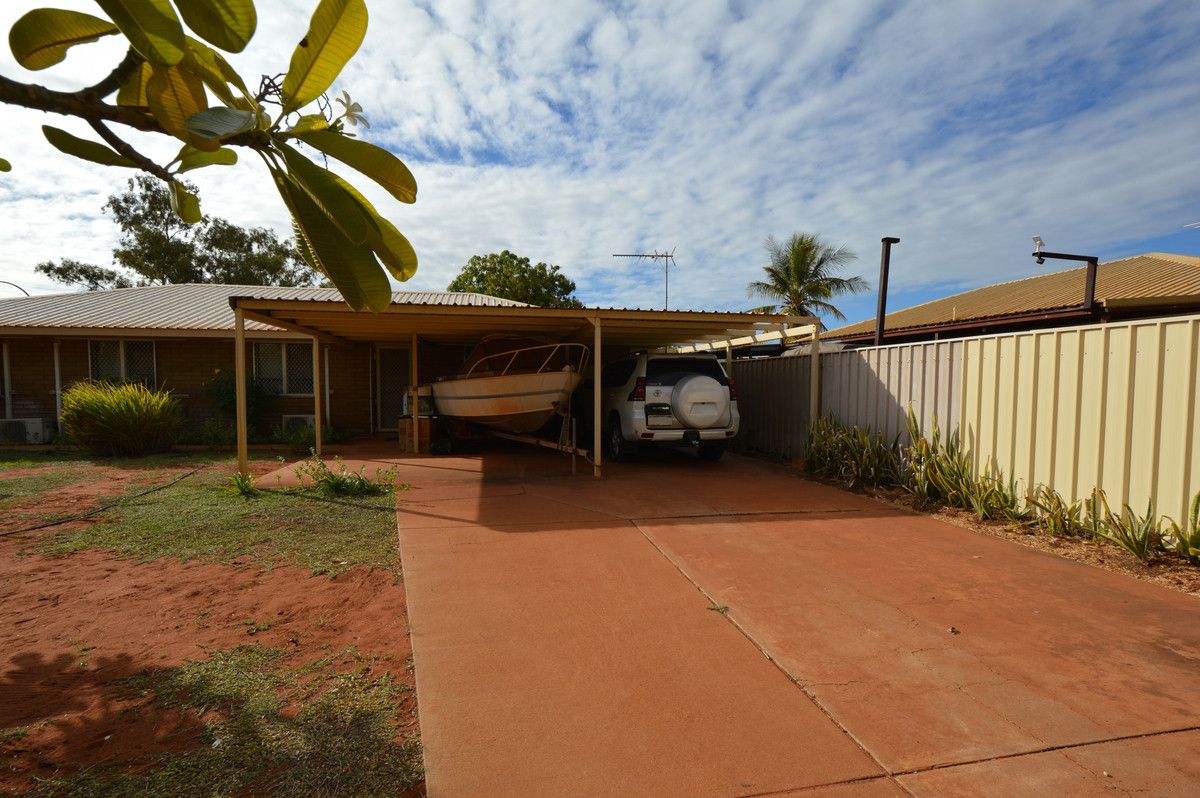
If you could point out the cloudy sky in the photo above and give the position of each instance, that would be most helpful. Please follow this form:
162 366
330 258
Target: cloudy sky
571 130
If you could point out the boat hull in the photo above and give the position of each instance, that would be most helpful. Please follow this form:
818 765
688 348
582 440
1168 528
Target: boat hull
519 403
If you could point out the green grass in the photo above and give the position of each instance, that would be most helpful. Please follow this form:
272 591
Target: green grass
201 518
15 490
339 735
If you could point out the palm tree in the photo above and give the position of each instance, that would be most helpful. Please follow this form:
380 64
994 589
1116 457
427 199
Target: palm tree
803 275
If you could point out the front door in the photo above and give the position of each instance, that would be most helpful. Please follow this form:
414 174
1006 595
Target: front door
391 384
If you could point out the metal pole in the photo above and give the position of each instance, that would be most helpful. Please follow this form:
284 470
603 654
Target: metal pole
597 410
666 283
885 262
318 399
239 365
1089 288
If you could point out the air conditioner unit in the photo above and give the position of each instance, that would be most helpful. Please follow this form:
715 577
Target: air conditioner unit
26 430
293 422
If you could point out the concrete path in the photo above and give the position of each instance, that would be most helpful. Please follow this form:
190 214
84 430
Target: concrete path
566 642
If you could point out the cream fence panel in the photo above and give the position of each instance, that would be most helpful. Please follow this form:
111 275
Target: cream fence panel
874 387
1112 406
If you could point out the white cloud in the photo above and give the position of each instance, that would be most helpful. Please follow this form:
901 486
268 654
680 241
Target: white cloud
570 131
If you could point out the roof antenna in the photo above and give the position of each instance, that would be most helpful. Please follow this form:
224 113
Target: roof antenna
667 258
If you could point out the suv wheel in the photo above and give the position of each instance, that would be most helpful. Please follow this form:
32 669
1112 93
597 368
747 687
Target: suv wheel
618 448
710 451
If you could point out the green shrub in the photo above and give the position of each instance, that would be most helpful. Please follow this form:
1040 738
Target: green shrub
222 391
120 419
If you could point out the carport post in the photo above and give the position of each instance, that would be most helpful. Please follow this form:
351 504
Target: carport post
416 400
239 380
318 414
597 410
814 388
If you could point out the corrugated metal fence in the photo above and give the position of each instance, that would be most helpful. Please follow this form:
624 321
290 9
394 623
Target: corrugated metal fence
773 399
1113 406
874 387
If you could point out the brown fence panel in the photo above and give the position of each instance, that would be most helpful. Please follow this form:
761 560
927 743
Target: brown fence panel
773 398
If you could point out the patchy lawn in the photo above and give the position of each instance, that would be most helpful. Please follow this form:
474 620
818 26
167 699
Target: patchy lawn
187 640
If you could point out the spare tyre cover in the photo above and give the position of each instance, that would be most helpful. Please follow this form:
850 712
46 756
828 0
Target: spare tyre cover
700 402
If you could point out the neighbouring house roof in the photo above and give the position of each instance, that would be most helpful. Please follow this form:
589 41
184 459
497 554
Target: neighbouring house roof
1156 279
189 307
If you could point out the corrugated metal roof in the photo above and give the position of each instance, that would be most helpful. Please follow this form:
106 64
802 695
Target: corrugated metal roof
187 306
1156 276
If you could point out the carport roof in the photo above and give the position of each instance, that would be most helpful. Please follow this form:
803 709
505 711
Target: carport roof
334 320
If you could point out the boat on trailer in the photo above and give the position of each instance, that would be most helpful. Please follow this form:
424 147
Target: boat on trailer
513 386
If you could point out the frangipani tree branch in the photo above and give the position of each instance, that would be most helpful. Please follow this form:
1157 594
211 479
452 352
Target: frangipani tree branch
174 84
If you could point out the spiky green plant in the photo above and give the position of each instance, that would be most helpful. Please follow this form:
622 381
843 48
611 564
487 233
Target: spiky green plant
120 419
1055 515
1187 537
1138 535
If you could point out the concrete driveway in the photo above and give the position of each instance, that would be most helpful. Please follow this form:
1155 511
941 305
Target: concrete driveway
686 628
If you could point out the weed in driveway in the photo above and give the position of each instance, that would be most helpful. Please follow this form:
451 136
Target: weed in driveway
721 608
341 481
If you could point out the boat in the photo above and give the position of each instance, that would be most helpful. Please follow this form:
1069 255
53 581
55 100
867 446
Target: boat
513 385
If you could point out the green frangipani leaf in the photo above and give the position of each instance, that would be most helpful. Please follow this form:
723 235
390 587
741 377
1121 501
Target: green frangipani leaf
42 37
133 91
92 151
334 34
228 24
375 162
351 267
175 94
342 208
309 123
389 244
185 204
219 122
151 26
190 158
216 73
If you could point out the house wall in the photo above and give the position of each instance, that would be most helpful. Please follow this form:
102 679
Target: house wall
184 366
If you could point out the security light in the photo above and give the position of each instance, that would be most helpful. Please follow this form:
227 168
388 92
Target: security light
1039 243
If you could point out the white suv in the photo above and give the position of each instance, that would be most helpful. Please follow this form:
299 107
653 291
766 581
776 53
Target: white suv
673 399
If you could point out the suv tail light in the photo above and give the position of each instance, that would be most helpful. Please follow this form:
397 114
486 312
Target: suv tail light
732 390
638 394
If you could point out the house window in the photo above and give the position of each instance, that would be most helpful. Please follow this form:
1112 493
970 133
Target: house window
284 368
122 361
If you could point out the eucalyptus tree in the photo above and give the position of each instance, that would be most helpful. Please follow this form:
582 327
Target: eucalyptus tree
803 274
176 84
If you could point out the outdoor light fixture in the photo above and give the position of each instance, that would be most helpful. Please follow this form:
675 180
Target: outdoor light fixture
1089 286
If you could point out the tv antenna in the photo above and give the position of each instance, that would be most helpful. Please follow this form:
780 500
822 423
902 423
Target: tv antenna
667 258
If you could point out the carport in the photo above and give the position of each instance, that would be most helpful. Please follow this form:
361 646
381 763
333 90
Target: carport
610 331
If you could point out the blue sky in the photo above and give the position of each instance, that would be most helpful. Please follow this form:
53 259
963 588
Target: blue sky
570 131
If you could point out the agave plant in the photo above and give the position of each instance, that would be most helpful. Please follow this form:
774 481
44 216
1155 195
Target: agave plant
1138 535
1055 515
1186 539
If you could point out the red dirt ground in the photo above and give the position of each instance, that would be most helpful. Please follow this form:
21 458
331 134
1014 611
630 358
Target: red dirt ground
71 626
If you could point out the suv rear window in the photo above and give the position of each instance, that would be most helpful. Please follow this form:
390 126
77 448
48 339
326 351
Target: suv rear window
669 370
